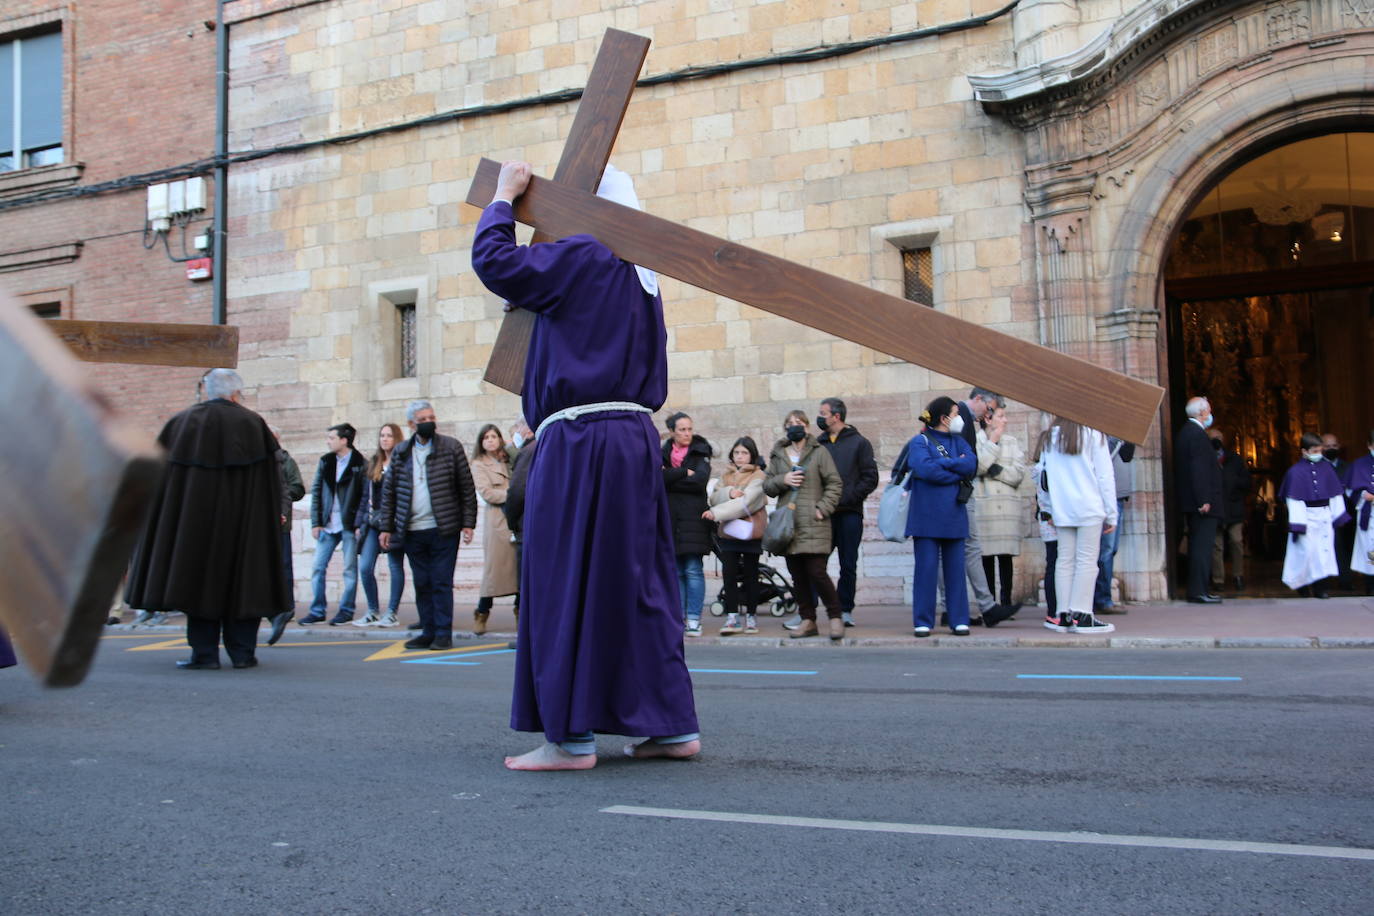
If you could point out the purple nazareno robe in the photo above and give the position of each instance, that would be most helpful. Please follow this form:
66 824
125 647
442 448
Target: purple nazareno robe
7 659
1359 479
600 645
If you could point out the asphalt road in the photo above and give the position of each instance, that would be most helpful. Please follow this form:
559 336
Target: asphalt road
323 783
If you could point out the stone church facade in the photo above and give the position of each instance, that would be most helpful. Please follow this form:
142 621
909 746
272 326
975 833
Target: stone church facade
1039 157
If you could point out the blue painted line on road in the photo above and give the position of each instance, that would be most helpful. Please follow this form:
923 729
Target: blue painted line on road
1123 677
437 661
456 659
744 671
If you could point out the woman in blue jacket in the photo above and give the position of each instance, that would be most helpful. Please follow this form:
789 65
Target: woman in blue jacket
942 465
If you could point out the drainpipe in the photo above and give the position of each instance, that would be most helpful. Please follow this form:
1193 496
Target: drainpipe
220 262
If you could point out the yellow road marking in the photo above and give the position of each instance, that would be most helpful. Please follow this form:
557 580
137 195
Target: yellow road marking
134 636
398 650
178 643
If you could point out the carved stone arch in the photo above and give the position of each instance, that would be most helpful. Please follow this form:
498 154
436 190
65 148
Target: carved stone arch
1172 185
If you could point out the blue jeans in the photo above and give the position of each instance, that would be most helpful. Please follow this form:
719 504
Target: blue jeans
1106 559
691 585
367 565
432 557
324 549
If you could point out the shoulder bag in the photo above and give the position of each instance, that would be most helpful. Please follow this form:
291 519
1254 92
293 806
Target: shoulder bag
895 504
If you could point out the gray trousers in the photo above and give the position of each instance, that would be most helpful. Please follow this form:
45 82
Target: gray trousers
977 577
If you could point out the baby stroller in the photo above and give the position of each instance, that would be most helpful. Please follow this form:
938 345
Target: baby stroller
775 593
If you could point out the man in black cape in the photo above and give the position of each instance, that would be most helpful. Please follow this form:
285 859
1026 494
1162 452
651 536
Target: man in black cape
212 546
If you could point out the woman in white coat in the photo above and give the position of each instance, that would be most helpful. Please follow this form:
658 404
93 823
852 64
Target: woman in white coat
1000 506
1077 470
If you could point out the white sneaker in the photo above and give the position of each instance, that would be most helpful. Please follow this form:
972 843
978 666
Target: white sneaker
388 621
693 626
751 625
368 621
791 623
921 632
848 618
731 625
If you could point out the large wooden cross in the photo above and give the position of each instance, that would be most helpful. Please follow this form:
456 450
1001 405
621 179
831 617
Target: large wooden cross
77 482
1016 368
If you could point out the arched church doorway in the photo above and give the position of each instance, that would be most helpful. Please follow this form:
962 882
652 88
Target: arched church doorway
1269 285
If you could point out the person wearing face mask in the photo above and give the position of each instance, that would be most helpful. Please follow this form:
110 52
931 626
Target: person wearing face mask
1345 535
941 463
1199 496
973 412
1359 488
428 501
1235 487
802 472
853 455
1316 507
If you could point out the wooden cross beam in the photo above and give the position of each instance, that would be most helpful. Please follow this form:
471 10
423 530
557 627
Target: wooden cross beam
588 148
1019 369
77 484
209 346
1027 372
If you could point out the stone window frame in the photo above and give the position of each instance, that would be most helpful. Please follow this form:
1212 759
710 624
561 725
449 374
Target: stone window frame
380 337
60 296
45 177
890 240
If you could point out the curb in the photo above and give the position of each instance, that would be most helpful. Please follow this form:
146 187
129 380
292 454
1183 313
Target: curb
876 642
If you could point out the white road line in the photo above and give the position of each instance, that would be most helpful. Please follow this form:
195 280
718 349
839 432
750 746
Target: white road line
993 833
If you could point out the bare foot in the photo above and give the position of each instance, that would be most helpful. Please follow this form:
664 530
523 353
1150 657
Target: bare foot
647 748
551 757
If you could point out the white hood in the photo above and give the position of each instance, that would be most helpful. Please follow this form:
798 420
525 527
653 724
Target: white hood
619 188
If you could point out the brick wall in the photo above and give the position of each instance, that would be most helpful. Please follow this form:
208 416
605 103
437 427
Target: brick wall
139 76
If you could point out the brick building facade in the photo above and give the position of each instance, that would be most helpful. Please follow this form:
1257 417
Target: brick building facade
137 97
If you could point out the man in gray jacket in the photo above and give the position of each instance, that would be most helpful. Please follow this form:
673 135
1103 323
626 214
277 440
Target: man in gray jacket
428 498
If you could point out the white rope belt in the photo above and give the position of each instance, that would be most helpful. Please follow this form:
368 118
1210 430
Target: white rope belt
572 413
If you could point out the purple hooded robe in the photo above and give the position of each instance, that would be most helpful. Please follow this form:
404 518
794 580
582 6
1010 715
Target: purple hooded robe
600 636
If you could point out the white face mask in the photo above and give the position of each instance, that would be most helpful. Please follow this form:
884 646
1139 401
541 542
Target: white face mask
1312 458
518 439
956 425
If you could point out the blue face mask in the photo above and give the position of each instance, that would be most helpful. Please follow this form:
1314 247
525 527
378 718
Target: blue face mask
1207 423
1312 458
518 439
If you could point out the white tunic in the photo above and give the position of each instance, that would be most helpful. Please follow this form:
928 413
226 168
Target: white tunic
1312 557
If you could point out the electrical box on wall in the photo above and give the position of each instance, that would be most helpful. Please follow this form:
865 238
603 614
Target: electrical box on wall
195 194
168 201
199 269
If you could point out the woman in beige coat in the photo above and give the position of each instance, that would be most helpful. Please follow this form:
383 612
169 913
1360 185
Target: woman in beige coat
1000 504
814 492
491 473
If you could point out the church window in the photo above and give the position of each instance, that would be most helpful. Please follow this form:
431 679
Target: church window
405 343
918 275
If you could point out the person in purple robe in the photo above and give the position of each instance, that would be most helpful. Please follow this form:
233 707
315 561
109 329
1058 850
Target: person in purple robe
600 633
1359 486
1316 506
7 658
